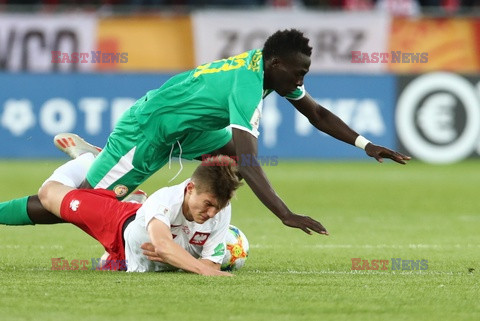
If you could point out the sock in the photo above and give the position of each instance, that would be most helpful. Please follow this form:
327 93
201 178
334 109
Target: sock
14 212
73 172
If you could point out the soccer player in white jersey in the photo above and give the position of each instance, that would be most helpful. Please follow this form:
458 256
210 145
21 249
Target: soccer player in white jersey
184 225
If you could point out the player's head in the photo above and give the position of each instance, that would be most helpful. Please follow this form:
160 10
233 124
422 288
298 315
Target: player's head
286 56
212 186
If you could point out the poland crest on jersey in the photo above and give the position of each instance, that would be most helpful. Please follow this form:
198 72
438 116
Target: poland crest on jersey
199 238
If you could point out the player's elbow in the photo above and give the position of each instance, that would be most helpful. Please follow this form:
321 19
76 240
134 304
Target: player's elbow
320 118
246 171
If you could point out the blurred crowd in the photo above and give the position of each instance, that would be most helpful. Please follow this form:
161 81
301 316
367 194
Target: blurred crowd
399 7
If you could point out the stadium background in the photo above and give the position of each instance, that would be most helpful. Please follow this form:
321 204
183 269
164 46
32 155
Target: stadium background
40 98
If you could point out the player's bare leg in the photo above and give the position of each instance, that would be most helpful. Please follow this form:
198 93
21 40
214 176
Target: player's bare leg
29 210
74 146
38 214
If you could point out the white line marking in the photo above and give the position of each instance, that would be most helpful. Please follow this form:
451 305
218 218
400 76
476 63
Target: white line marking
377 246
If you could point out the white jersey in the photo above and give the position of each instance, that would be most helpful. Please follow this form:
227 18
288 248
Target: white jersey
206 241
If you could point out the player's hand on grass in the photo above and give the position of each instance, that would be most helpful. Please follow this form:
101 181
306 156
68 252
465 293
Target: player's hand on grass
305 223
380 152
149 252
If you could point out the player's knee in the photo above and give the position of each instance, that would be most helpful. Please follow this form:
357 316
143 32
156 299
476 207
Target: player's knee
44 194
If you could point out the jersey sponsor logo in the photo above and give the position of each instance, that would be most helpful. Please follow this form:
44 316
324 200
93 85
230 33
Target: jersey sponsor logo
185 229
120 190
74 204
199 238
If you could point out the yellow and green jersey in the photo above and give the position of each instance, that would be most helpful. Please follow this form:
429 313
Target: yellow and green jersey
213 96
187 117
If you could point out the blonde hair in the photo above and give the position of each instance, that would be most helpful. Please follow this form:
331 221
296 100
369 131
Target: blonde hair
219 176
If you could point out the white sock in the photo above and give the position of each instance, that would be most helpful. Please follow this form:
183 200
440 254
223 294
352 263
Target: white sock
73 172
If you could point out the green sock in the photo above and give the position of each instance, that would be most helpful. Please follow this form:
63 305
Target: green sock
14 212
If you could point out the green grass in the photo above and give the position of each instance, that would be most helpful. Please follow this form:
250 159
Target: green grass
372 211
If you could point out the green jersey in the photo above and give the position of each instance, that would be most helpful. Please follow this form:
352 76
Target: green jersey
213 96
187 118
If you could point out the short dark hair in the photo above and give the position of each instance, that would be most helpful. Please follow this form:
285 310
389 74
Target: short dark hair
285 42
219 176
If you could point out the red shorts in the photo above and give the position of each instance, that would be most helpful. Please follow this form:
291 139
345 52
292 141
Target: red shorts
101 215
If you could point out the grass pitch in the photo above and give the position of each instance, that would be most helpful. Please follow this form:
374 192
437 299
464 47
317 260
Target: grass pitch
372 211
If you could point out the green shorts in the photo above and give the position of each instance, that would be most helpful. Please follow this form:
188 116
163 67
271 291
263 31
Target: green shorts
128 158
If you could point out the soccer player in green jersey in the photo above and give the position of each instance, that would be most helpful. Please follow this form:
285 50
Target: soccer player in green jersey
188 117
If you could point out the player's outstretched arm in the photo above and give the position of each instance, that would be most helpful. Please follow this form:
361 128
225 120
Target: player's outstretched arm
171 253
329 123
149 252
246 148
